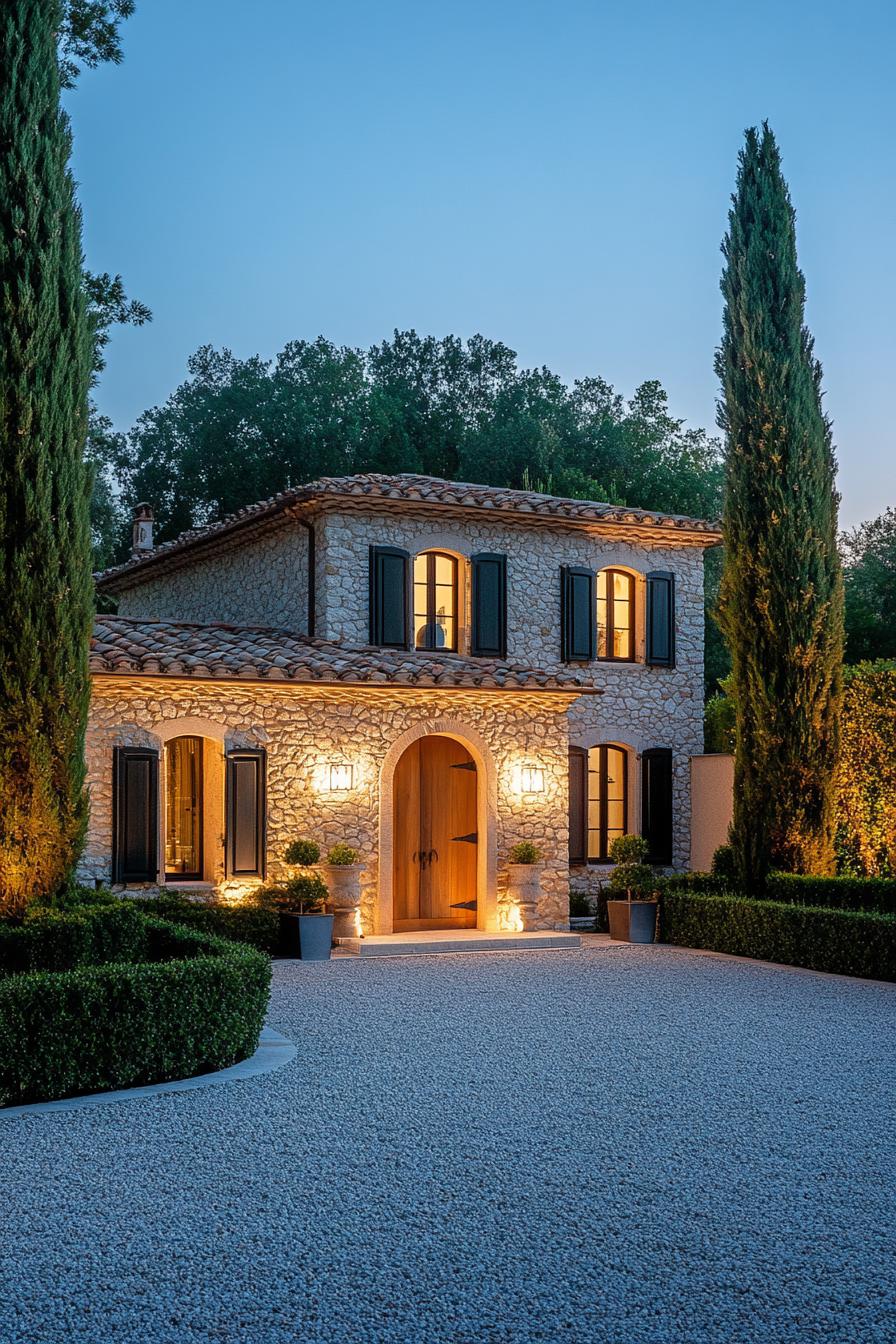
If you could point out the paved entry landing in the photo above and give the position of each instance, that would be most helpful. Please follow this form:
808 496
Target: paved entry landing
424 942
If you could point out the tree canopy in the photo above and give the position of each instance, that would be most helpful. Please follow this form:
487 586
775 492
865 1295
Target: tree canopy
869 570
239 430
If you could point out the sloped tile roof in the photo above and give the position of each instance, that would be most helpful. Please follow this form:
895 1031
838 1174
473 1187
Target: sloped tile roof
410 489
122 646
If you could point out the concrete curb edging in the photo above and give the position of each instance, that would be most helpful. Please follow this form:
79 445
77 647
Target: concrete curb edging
273 1052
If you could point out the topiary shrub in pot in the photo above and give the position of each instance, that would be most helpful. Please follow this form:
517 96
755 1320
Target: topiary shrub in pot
306 930
343 870
524 880
633 919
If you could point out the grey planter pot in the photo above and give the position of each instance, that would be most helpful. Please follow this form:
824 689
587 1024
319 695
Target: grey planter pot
309 937
632 922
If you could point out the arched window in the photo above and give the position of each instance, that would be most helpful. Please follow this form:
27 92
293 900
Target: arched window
598 801
183 809
435 601
616 615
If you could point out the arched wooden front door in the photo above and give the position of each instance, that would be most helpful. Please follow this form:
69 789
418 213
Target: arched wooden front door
435 842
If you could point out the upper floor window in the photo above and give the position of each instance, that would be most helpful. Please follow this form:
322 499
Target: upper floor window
616 615
435 601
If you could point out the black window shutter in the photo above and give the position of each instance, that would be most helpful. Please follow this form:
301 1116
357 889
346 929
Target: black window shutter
135 815
578 804
389 596
246 807
578 615
661 618
488 637
656 803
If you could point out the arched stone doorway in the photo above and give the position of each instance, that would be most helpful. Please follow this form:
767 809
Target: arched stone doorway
435 837
438 792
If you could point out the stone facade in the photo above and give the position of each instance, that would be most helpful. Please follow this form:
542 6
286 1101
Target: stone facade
264 581
303 728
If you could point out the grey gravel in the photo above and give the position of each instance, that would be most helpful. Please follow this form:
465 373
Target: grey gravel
622 1144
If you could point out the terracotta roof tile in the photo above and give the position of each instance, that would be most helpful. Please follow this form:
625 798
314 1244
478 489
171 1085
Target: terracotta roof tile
408 488
125 647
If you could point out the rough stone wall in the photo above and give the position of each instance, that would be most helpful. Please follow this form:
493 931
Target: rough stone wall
640 706
302 728
264 581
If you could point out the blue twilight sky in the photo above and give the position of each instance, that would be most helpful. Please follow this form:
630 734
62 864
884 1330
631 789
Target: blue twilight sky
553 175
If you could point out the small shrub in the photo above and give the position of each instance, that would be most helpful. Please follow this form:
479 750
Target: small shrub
629 849
302 853
525 852
723 864
305 895
77 897
848 942
581 905
637 881
342 855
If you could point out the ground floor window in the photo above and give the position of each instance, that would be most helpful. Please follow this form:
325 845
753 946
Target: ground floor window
598 801
183 809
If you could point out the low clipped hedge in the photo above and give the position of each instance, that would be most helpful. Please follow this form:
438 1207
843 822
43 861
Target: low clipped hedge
874 894
195 1004
238 923
841 893
847 942
63 940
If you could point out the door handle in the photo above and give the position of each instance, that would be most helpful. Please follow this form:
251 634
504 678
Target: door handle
433 856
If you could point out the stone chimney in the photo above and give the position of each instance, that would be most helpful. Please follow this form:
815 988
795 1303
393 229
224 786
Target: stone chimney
143 520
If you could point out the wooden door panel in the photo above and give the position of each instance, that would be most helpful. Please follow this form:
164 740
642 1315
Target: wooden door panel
434 804
406 837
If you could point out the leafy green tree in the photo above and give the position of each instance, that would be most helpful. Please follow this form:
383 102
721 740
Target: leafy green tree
869 571
45 349
88 35
781 603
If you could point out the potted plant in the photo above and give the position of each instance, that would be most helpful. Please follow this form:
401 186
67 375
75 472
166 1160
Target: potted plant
632 920
343 875
524 878
306 930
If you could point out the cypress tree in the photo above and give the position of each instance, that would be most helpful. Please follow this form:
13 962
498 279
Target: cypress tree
781 600
46 597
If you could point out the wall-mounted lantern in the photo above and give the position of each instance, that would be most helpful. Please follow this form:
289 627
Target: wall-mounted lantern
532 779
341 777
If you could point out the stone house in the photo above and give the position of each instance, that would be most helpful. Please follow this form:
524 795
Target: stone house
429 671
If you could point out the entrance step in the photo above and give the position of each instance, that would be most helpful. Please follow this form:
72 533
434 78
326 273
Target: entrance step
456 940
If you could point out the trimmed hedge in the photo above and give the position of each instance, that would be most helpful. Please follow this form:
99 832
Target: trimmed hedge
873 894
848 942
62 940
238 923
120 1025
876 894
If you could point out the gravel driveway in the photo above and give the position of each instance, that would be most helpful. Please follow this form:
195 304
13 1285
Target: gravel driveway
621 1145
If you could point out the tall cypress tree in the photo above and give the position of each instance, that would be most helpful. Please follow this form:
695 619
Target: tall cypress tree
781 601
46 590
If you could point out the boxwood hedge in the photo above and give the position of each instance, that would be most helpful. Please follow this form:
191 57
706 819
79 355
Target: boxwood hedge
62 940
876 894
849 942
240 923
195 1004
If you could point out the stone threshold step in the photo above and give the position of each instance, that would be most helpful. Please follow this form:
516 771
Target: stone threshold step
449 940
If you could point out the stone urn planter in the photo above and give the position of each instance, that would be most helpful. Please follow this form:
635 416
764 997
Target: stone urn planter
344 885
524 881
